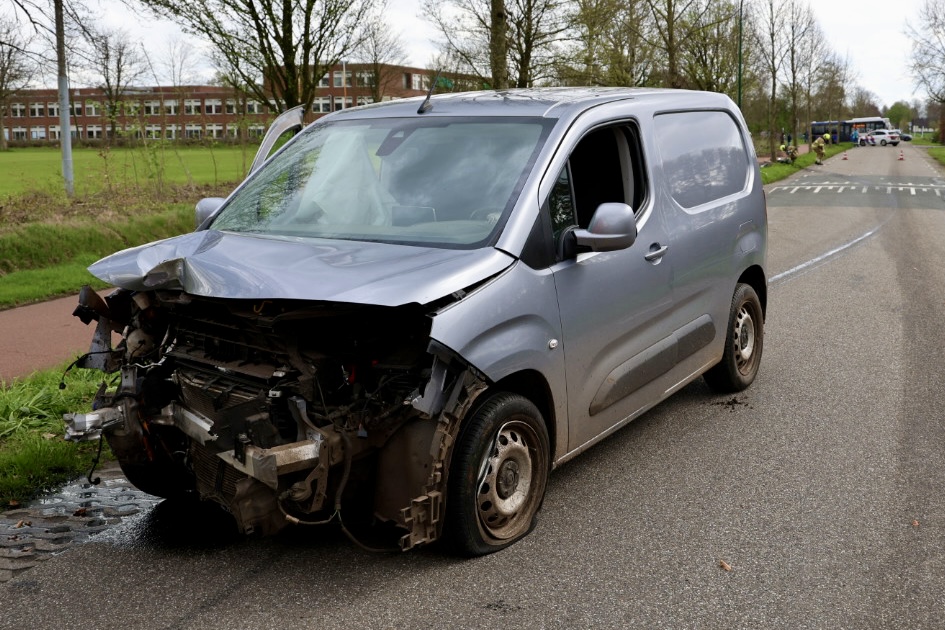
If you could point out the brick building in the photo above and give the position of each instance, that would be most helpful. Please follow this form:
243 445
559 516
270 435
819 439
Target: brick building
193 112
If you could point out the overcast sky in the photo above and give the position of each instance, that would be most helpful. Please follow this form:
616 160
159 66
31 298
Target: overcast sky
866 32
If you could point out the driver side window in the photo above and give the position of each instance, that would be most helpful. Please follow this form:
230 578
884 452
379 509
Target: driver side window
605 166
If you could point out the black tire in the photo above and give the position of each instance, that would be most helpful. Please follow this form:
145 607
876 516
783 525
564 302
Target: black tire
156 465
883 142
162 479
498 475
744 343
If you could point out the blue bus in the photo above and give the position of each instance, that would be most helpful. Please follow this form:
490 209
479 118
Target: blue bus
840 130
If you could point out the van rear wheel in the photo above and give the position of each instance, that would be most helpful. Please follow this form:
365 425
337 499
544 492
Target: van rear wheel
498 475
744 342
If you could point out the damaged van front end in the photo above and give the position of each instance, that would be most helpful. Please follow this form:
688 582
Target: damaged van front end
283 410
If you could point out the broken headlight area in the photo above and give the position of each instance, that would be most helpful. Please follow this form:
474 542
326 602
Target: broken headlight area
281 411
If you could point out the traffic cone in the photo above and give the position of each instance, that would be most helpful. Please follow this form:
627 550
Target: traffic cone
901 156
844 155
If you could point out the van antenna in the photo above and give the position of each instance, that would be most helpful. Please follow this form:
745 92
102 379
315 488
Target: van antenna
427 105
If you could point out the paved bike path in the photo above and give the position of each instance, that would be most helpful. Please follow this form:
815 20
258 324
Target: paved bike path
40 336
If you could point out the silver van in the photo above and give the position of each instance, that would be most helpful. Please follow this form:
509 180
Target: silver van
413 311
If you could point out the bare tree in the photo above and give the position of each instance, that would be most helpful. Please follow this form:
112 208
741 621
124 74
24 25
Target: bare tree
118 63
178 65
799 24
609 44
381 49
536 28
769 41
928 54
710 61
864 103
814 55
16 68
677 22
287 44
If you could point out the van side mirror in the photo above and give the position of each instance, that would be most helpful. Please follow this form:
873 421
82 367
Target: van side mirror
613 227
206 208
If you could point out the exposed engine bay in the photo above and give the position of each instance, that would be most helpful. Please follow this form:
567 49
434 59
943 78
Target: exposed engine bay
282 411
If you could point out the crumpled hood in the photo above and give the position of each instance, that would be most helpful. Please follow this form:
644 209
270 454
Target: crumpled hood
228 265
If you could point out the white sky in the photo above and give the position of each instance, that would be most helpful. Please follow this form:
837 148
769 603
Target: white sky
869 33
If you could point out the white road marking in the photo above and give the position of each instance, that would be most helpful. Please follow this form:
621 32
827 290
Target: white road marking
819 259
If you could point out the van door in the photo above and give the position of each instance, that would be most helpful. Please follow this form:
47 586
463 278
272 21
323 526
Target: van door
616 335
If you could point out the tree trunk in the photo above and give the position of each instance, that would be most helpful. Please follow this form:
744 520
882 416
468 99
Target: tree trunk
499 46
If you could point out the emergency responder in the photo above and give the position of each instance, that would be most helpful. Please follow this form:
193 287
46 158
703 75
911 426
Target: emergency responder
790 154
819 147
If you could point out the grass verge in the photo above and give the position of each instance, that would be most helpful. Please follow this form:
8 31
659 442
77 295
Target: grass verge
44 259
34 456
937 154
776 171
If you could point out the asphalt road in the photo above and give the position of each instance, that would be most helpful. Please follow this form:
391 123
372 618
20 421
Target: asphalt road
820 487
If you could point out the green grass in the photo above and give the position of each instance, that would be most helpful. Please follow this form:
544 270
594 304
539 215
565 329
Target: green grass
937 154
34 285
27 170
34 456
43 260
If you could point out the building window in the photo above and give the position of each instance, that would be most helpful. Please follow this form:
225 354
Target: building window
192 107
215 130
37 133
364 100
256 131
152 108
324 81
419 82
213 106
170 132
17 110
92 109
52 110
77 108
152 131
342 79
231 106
19 133
233 130
93 132
253 107
170 107
321 105
365 79
193 131
343 103
37 110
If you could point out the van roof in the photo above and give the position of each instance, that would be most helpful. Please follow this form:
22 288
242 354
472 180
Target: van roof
550 102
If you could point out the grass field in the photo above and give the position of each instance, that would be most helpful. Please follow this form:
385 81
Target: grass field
124 197
33 169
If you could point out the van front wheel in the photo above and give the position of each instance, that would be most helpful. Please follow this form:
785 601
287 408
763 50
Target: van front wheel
497 476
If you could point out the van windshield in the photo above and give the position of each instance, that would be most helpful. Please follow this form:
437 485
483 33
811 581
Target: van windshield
441 182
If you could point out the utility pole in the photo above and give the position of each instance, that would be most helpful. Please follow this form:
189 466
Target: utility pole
741 4
65 126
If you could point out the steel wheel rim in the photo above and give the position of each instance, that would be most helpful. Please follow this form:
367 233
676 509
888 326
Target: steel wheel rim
509 483
744 338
